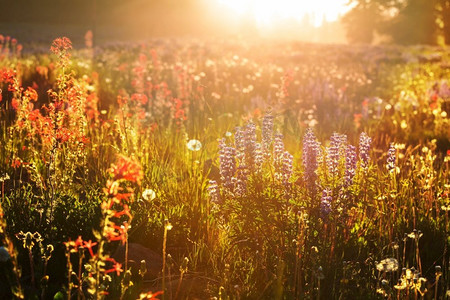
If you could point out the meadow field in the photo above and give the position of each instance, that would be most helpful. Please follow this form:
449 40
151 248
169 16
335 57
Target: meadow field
224 169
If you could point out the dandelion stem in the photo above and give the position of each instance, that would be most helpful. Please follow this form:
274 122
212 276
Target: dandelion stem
30 256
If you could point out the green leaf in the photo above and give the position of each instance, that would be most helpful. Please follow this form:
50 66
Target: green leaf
59 296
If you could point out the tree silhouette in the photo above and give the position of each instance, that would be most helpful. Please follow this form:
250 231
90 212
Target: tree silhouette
406 21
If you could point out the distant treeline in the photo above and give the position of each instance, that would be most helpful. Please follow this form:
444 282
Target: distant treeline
151 16
403 21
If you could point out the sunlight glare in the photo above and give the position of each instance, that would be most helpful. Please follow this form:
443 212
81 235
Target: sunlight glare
266 12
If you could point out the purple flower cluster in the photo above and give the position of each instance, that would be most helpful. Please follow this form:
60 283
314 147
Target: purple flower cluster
364 147
282 160
288 166
325 203
278 152
259 157
267 132
213 191
391 158
310 159
227 157
241 181
334 151
250 146
350 165
239 143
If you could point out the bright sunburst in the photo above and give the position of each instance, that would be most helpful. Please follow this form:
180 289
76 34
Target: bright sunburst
267 11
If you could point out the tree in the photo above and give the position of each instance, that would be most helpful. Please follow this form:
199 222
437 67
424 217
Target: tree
444 7
361 22
415 23
406 21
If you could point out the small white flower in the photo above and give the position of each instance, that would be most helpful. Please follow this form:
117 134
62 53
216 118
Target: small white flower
194 145
148 194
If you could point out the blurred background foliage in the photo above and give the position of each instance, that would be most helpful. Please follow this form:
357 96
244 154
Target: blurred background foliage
367 21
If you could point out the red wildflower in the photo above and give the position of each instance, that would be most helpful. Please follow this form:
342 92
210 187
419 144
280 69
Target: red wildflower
84 140
127 169
141 115
89 246
16 163
113 232
31 94
7 75
63 135
122 100
122 197
141 98
79 241
117 267
61 45
125 211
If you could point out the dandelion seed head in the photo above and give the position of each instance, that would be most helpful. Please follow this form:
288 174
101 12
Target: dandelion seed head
148 194
387 265
194 145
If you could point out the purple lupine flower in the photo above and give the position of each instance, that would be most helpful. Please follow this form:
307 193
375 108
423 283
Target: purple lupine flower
288 160
364 147
250 146
239 144
227 165
350 165
278 152
241 181
310 159
334 152
259 157
267 132
214 193
239 139
391 158
325 203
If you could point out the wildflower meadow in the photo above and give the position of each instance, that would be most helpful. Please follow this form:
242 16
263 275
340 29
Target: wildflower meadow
226 169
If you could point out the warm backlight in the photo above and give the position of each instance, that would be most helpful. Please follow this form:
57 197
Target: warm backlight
266 12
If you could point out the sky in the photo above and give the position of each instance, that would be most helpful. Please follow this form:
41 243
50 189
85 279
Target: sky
267 12
143 19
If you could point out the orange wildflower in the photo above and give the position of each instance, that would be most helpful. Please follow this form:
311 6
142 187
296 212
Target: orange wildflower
126 169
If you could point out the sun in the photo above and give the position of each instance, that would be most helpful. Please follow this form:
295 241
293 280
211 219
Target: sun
266 12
